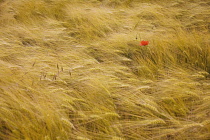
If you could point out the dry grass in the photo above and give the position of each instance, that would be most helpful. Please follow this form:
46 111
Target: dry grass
75 70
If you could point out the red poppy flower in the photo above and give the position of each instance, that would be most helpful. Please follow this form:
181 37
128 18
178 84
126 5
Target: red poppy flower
144 43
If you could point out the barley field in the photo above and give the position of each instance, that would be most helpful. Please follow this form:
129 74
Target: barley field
77 70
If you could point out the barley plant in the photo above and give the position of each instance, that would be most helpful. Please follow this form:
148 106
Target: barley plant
104 70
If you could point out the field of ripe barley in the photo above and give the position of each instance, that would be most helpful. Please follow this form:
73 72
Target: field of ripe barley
77 70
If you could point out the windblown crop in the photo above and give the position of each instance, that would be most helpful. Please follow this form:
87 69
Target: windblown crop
78 70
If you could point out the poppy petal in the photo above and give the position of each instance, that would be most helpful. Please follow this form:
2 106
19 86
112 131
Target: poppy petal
144 43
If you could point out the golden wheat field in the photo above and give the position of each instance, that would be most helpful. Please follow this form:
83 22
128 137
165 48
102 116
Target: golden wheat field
75 70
